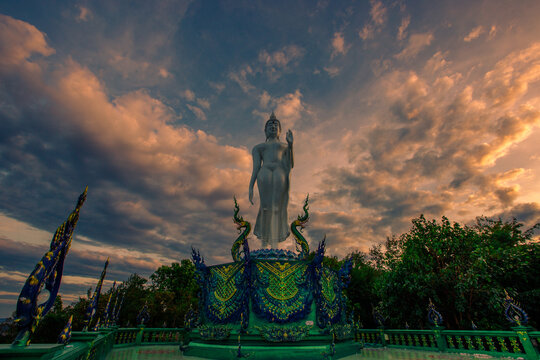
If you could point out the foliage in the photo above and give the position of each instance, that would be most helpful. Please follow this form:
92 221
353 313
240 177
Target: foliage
52 324
172 292
361 291
135 295
463 269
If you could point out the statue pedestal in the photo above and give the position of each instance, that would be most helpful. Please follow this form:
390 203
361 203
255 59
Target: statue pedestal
272 304
267 308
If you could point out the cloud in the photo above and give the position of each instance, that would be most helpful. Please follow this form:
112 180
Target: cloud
84 13
188 95
378 13
132 51
219 87
240 77
197 111
474 34
437 62
338 45
402 31
367 32
434 148
526 213
511 76
139 161
281 58
18 42
203 103
164 73
492 31
264 99
332 71
416 43
275 63
288 108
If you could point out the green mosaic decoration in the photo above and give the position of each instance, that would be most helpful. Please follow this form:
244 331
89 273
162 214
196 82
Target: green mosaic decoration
226 293
216 332
329 299
283 334
281 291
343 331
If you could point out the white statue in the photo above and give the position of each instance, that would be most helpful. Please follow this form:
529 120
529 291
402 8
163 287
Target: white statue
272 164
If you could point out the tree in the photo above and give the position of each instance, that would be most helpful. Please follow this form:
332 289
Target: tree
462 269
135 296
361 291
51 325
173 291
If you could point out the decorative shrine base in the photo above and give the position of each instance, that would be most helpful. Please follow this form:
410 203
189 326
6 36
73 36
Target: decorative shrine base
318 347
271 304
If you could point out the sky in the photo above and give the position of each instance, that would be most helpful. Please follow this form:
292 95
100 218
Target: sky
398 108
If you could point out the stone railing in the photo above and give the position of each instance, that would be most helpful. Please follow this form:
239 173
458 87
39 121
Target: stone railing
95 345
148 336
519 342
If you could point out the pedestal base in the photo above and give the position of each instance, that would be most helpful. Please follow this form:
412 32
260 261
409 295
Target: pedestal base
252 347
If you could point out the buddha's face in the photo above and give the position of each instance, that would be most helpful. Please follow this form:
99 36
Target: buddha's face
272 129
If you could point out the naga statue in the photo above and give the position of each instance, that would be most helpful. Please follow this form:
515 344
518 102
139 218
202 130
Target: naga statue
46 275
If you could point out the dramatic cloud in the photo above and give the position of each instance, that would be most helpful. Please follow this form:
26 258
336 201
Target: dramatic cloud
147 163
510 78
437 141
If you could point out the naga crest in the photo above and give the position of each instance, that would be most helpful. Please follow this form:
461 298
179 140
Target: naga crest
241 240
46 275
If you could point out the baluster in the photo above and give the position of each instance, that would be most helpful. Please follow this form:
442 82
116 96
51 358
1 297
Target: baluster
424 340
480 343
470 345
459 342
502 343
515 346
490 343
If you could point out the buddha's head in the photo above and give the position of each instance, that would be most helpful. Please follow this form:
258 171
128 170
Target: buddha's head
272 128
